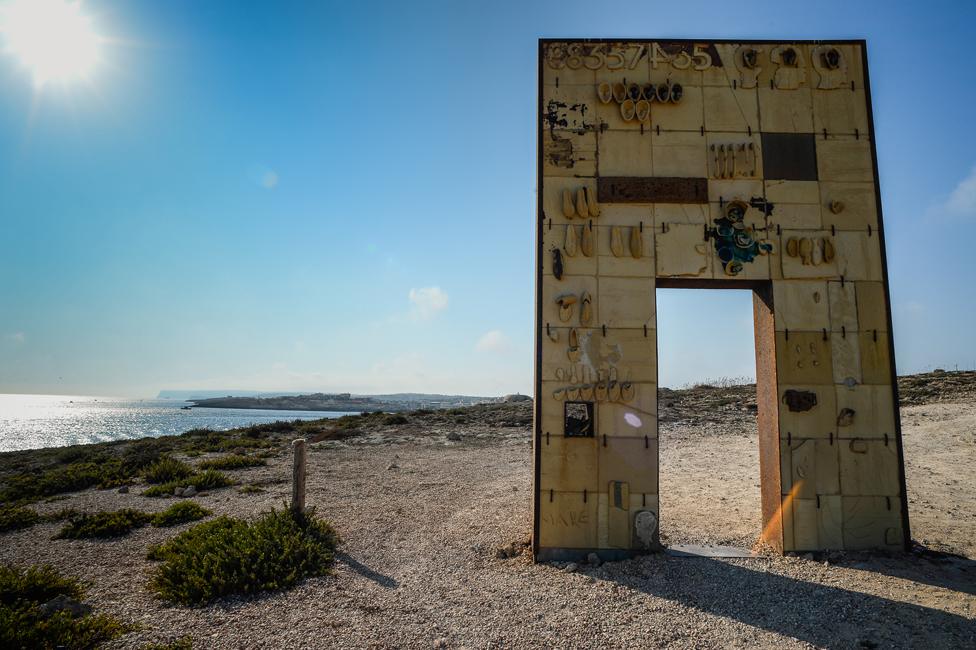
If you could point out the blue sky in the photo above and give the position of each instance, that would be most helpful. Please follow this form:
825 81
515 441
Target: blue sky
298 196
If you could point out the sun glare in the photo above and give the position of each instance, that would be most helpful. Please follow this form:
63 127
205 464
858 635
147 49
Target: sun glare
53 39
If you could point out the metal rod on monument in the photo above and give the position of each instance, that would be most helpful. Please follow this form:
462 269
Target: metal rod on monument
298 476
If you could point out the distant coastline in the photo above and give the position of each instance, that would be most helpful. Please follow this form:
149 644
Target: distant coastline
344 402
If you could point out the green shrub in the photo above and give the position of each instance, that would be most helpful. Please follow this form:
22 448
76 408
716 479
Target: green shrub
251 489
394 418
179 513
167 469
22 624
233 556
234 461
17 518
104 524
206 480
70 478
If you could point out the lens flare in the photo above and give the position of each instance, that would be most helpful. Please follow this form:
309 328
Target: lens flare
53 39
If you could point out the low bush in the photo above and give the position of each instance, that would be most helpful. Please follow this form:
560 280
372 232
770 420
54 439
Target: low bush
25 624
69 478
234 461
233 556
179 513
206 480
17 518
114 523
394 418
167 469
251 489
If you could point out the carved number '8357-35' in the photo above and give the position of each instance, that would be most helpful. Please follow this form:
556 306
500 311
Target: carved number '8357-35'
595 57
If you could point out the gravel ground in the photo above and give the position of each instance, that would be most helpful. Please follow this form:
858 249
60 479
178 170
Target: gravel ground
422 518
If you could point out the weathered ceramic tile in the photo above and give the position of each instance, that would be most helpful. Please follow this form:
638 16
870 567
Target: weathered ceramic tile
844 158
875 357
626 302
682 251
809 254
804 358
563 301
567 153
785 111
626 251
745 190
843 306
834 67
723 70
569 107
813 468
553 203
831 529
872 522
846 357
625 153
685 115
568 464
567 521
558 236
731 109
869 468
625 214
779 192
858 255
872 309
807 411
697 213
865 412
618 354
806 524
679 154
734 156
793 216
840 112
618 515
849 206
782 74
632 417
562 64
630 460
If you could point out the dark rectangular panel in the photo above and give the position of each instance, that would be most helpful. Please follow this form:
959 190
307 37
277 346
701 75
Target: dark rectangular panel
636 189
789 156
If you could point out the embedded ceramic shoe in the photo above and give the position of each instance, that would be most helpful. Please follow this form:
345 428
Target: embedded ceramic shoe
604 92
616 242
569 210
642 111
582 209
619 92
571 245
586 241
636 243
628 391
628 110
591 204
586 308
566 307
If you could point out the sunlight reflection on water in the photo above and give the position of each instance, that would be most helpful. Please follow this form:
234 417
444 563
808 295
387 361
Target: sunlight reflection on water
34 421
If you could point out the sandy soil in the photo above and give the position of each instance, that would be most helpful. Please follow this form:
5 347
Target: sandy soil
422 518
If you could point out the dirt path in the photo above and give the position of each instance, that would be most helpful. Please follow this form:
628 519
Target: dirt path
422 521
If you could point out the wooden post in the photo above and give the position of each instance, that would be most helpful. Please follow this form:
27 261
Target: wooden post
298 476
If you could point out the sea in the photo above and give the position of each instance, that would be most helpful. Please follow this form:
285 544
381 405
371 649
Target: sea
36 421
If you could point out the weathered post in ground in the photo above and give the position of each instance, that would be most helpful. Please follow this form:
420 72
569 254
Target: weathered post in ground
298 476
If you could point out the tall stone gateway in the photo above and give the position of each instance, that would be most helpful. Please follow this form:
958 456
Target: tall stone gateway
706 164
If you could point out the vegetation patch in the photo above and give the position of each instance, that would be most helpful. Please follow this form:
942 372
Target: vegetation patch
167 469
234 461
394 418
232 556
179 513
114 523
209 479
39 608
251 489
17 518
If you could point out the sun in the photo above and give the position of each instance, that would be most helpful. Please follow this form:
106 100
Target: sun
53 39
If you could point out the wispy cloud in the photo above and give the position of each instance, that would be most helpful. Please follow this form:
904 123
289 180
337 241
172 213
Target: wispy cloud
426 302
17 338
493 341
961 202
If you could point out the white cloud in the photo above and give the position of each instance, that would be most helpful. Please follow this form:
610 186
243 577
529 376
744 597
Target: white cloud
961 202
493 341
270 179
427 301
17 338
